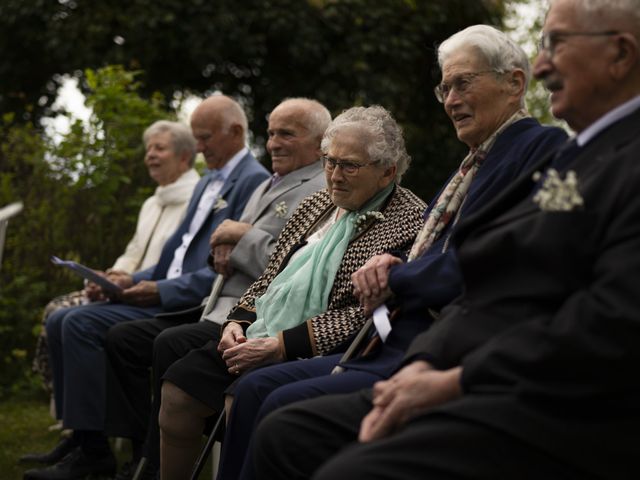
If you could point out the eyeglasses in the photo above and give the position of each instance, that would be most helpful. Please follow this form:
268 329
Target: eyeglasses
549 41
348 168
461 84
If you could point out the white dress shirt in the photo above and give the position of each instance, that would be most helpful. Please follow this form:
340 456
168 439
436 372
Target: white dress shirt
207 202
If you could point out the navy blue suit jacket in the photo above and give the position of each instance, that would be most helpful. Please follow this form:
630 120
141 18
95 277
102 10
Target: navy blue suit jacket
196 279
434 280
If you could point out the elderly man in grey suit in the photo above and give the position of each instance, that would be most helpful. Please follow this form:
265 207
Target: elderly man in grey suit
239 251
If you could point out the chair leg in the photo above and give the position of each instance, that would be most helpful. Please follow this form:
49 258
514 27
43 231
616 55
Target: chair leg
204 454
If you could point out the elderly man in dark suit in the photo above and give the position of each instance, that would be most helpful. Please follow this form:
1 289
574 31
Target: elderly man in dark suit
530 374
240 251
180 279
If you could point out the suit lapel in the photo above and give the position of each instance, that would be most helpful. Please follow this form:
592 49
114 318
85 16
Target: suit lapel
288 183
509 204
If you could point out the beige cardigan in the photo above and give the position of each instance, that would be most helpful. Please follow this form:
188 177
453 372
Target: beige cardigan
159 216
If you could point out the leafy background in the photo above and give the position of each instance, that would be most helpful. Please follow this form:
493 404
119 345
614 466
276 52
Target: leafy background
136 61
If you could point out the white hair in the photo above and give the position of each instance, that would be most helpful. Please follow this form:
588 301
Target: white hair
500 52
181 137
383 136
628 10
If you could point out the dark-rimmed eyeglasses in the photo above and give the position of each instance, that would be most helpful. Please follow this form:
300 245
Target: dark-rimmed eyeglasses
461 84
549 40
348 168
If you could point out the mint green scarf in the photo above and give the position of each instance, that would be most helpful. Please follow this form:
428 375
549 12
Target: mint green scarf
302 289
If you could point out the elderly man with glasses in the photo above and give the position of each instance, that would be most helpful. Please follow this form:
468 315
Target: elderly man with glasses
531 372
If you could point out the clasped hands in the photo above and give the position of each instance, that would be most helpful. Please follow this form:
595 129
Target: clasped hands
412 391
222 241
240 353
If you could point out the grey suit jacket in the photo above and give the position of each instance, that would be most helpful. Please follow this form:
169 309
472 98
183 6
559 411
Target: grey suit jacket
267 210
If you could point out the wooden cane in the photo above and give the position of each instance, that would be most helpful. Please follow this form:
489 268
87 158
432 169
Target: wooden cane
216 288
354 346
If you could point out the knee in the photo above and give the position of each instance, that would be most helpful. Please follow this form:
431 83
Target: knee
163 343
268 436
116 339
178 408
164 352
53 324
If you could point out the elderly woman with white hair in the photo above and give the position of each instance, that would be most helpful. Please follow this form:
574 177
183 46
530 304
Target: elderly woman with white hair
170 151
303 304
484 79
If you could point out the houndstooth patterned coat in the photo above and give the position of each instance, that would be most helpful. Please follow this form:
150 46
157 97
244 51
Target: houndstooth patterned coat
320 334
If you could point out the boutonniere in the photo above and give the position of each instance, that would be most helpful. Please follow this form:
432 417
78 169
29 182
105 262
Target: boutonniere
220 204
281 209
556 194
362 221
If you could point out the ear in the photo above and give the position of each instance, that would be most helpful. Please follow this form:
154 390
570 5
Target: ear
516 82
184 160
389 174
237 131
627 56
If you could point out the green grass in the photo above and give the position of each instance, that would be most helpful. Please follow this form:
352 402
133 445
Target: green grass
24 428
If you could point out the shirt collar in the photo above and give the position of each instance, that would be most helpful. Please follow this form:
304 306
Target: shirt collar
607 119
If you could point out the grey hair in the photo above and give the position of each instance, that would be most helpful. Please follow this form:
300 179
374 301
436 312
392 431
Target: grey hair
384 139
317 116
500 52
181 137
624 9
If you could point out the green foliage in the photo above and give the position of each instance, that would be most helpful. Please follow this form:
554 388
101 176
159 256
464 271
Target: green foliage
81 195
342 52
81 199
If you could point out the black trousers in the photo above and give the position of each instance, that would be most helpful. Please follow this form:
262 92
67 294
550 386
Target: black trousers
132 393
318 439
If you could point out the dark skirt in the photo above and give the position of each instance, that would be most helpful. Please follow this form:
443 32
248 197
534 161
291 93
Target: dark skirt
202 373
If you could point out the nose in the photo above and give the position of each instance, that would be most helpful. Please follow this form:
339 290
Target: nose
272 144
541 65
337 174
200 146
453 98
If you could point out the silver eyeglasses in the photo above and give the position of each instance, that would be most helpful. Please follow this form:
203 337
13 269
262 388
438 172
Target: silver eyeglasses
549 40
461 84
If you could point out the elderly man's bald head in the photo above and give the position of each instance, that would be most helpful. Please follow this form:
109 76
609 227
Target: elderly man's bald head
219 125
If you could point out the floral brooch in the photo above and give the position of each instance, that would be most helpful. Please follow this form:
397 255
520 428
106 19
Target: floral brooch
556 194
362 221
220 204
281 209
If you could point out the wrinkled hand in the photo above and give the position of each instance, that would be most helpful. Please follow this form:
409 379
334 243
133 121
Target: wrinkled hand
232 335
228 232
411 392
142 294
251 353
120 278
94 292
371 281
221 259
